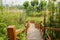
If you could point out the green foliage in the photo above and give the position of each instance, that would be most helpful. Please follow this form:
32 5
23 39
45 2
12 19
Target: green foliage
10 18
29 10
42 6
35 6
22 20
54 19
51 6
23 36
36 19
36 14
26 4
34 2
58 8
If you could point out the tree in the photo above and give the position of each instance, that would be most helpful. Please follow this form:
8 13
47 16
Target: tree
26 4
42 5
34 2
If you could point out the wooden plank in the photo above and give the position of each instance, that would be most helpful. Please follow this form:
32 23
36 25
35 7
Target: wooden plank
11 32
20 31
33 33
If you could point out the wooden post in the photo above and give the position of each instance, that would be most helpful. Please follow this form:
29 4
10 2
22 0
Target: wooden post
11 33
37 25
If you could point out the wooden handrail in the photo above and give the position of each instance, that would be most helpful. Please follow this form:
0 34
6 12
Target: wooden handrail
20 31
53 29
12 32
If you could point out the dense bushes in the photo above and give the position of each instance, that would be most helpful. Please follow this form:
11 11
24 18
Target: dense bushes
10 18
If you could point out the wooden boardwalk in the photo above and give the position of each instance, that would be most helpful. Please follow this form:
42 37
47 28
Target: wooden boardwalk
33 33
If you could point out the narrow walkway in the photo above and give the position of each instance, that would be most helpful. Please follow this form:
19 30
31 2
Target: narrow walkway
33 33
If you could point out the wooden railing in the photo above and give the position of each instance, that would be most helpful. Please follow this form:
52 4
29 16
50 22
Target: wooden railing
39 26
52 29
12 32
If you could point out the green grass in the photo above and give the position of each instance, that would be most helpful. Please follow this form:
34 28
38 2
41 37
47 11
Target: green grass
36 19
